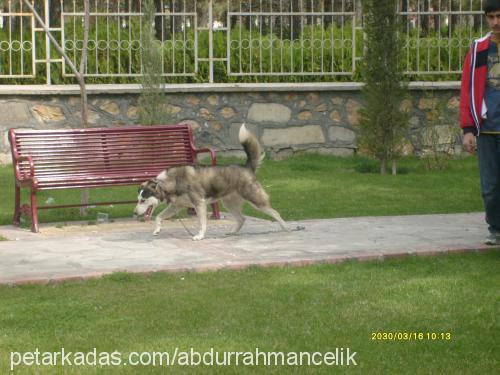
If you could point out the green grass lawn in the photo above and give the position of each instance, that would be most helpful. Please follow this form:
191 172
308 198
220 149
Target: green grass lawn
315 308
310 186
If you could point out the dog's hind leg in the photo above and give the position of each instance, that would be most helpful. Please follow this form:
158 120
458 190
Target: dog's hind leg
201 211
233 203
260 200
268 210
167 213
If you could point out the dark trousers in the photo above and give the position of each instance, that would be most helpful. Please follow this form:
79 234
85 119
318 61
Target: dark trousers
488 151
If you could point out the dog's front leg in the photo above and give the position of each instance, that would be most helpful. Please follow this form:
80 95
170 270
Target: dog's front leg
167 213
201 211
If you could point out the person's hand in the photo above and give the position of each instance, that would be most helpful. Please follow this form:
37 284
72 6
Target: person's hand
469 143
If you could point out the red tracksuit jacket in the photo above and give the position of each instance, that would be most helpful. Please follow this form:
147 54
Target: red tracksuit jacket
472 106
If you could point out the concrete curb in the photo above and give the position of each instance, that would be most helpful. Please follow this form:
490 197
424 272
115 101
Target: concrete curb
243 266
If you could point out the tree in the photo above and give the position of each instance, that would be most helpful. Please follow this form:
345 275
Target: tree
382 122
152 109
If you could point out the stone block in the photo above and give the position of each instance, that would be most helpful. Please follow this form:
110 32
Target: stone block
336 117
414 122
282 153
438 135
75 101
428 103
216 126
213 100
48 113
110 107
304 115
323 107
14 114
406 106
93 117
133 112
312 97
407 149
353 115
5 139
227 113
337 101
170 109
5 158
453 103
269 113
293 136
206 114
341 136
335 151
192 100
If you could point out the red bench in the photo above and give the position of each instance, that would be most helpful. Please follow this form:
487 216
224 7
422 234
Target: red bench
96 157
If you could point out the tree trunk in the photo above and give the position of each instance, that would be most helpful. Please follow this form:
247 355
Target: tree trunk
55 13
84 200
394 168
83 63
383 166
295 21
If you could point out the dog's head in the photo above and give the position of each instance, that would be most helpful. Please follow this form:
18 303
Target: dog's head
150 196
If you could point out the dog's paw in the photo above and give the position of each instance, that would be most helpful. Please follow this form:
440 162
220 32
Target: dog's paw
198 237
156 232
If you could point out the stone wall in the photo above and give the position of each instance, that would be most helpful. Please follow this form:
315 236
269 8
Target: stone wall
286 120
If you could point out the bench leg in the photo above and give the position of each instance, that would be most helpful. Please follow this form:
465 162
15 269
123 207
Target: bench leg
34 213
17 206
215 211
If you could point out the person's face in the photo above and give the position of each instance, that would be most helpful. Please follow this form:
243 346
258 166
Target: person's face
493 19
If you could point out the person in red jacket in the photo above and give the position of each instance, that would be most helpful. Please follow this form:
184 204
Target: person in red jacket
480 114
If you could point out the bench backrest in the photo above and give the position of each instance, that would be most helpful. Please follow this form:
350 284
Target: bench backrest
94 151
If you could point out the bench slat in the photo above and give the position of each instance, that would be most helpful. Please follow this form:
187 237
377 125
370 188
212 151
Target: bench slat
83 165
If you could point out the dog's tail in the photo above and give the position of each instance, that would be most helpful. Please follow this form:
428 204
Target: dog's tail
252 148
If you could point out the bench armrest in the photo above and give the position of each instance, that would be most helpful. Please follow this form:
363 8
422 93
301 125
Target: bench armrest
19 175
206 150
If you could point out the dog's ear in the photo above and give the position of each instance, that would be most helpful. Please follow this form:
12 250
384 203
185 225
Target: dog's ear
142 186
158 189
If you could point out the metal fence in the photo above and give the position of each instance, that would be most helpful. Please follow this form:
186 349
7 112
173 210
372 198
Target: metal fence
438 33
229 41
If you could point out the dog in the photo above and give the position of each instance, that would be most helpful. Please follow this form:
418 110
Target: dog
197 186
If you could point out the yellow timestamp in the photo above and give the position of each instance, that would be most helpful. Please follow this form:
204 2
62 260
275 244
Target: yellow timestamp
411 336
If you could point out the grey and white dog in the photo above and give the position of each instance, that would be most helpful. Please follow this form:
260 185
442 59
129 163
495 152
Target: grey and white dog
198 186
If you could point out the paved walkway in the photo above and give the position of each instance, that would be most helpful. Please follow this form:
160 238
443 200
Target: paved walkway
87 251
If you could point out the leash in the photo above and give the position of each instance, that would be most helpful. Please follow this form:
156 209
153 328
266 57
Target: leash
186 228
296 229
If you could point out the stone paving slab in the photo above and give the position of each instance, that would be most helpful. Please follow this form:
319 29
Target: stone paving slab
86 251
